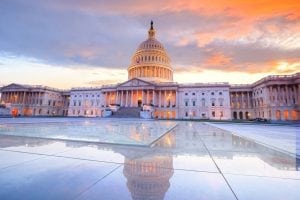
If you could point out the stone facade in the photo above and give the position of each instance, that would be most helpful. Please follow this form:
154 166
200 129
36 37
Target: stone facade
150 84
29 100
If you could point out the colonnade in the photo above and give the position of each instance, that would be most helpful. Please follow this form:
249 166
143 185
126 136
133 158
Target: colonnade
22 97
287 95
151 71
135 98
241 99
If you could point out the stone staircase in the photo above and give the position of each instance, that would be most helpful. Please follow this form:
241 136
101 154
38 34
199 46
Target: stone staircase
127 112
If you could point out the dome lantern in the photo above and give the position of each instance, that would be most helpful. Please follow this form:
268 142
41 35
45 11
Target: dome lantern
151 32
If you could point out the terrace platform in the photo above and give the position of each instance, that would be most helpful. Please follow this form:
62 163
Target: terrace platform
189 160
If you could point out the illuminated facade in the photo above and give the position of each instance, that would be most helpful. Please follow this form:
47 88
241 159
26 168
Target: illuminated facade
150 89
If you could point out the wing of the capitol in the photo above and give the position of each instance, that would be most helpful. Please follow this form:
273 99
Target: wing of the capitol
151 93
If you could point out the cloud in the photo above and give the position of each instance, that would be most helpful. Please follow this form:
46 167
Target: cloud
218 59
199 35
102 82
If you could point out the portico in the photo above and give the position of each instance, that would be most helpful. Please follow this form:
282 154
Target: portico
136 93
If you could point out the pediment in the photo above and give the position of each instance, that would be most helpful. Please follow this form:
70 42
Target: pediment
13 86
135 83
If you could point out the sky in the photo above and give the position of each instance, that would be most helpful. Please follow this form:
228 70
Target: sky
87 43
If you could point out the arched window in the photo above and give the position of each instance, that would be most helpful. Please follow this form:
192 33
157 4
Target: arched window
241 115
213 102
203 102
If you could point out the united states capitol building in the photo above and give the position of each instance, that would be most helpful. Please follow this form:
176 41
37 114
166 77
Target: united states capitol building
150 92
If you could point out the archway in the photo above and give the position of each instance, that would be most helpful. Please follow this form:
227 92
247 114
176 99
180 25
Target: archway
173 114
139 103
14 112
168 114
241 115
286 115
234 115
278 115
247 115
295 115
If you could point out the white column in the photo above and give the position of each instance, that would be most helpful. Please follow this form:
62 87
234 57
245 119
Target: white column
176 99
126 99
153 97
298 94
295 94
131 100
286 95
289 95
39 98
143 102
165 103
159 100
147 96
121 101
276 94
117 98
108 98
2 97
248 100
24 97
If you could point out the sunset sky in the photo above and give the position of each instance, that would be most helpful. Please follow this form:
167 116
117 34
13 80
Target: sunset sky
70 43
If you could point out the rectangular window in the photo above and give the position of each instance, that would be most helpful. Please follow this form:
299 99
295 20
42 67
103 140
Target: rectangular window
194 113
221 102
186 103
213 113
194 103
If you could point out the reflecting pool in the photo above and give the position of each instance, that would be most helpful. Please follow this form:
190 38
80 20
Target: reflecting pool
191 160
113 131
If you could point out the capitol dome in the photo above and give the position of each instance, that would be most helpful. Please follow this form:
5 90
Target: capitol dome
151 62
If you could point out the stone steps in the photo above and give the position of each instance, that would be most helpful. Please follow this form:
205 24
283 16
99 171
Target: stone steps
127 112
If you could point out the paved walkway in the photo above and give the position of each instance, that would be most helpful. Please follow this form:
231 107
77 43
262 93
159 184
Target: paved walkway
194 161
283 137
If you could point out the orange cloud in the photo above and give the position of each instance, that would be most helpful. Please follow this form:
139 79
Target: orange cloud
254 8
285 67
218 59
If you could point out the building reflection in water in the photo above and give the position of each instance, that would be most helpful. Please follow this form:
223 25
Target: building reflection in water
148 177
148 170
